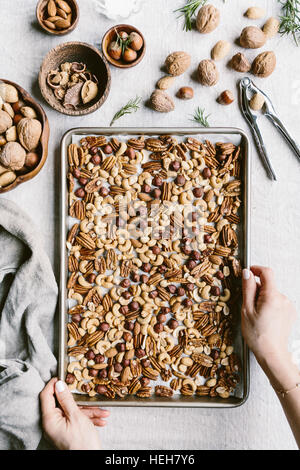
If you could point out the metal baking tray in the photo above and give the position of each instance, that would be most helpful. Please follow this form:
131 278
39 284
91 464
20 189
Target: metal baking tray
214 134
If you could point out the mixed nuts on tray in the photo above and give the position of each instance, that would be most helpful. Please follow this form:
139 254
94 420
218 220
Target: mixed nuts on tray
153 266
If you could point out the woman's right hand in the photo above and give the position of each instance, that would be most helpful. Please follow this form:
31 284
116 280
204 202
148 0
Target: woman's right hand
267 315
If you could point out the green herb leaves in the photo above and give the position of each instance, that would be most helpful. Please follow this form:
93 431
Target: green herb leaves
131 107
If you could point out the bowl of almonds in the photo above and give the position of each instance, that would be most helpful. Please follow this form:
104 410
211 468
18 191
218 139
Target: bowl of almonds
57 17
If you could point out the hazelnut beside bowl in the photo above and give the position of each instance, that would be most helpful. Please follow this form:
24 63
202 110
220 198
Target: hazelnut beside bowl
133 53
17 147
57 17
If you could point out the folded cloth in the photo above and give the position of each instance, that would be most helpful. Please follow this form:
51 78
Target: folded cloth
28 297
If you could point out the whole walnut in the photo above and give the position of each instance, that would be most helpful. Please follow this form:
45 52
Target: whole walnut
177 62
264 64
12 156
161 101
208 74
29 131
208 19
252 37
5 121
240 63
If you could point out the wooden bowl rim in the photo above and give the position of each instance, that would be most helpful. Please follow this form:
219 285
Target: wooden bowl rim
44 139
63 31
55 105
115 62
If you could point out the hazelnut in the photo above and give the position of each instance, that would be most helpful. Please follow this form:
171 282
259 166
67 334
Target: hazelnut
103 191
90 354
198 192
158 327
215 290
145 362
104 326
173 324
96 159
175 165
118 367
226 97
136 41
130 152
153 294
80 192
93 372
129 55
156 193
206 173
185 93
32 160
144 381
107 149
101 389
134 306
99 359
157 181
140 353
114 50
180 291
70 379
180 180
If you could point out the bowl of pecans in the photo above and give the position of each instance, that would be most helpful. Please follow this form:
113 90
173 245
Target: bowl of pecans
57 17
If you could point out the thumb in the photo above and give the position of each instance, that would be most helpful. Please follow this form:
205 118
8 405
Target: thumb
65 398
249 291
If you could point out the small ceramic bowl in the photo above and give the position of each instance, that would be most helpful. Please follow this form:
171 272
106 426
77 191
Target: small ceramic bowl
41 14
110 36
42 149
76 52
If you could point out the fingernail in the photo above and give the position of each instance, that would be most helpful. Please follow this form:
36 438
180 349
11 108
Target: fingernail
246 274
60 386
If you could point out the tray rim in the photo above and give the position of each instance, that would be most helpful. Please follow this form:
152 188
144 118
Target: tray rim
175 402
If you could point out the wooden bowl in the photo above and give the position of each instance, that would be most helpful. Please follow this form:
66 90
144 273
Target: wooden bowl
42 148
110 36
41 16
76 52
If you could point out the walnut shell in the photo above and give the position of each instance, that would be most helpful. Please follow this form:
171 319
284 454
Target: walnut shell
208 19
12 156
161 101
264 64
29 132
5 121
9 93
178 62
208 74
252 37
240 63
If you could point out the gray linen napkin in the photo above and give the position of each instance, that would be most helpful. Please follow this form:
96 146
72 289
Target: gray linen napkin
28 297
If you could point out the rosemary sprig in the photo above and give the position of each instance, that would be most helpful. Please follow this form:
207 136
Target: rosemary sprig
290 20
188 11
200 117
131 107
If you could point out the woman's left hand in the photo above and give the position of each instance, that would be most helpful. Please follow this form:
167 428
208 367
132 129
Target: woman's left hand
69 427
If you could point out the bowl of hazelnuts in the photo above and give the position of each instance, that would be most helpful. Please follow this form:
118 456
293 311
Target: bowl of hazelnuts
123 46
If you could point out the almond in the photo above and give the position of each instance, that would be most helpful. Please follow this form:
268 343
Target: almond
62 24
271 27
64 6
220 50
165 82
51 8
255 13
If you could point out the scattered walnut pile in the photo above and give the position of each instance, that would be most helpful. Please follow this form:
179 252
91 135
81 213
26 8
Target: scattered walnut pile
20 132
153 266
